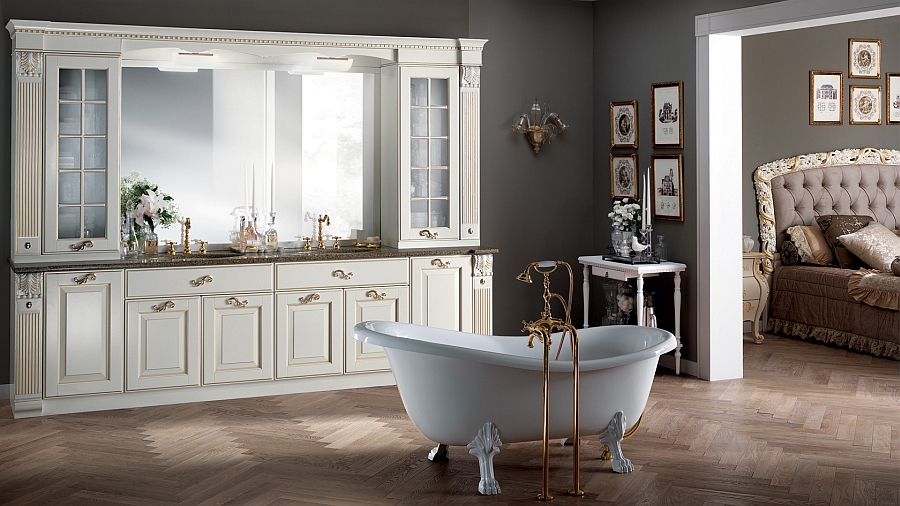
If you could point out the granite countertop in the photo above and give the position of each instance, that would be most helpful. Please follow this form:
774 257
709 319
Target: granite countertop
224 257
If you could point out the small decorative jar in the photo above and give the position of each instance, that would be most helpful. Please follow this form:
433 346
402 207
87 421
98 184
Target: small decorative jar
748 243
151 242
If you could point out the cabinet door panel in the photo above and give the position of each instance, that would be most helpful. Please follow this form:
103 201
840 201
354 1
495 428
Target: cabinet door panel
84 333
309 335
374 304
237 338
442 292
163 343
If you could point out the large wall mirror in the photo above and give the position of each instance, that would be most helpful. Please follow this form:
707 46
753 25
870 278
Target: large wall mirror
309 138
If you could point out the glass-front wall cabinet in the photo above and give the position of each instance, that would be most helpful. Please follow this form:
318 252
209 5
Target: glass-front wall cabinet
81 185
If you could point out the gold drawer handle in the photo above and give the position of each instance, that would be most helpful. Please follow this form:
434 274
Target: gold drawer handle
437 262
309 298
87 277
83 244
375 295
162 307
341 274
233 301
429 234
201 281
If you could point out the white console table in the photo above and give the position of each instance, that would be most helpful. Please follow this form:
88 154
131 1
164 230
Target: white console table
597 266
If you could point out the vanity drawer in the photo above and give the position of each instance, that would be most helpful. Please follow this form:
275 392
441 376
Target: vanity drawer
198 280
306 275
603 272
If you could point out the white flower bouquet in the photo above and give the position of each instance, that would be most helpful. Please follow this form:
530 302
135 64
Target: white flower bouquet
141 200
625 214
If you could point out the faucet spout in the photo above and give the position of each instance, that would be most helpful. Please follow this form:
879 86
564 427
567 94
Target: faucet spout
187 232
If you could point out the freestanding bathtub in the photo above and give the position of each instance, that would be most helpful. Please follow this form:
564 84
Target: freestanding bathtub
470 389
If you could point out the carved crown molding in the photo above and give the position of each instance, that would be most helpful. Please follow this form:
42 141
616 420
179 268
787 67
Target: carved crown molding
762 180
29 285
470 76
29 64
484 265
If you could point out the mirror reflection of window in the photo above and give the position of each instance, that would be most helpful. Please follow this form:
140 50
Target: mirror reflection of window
195 134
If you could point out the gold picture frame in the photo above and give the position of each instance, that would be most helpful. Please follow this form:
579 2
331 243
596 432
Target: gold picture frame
826 104
623 124
667 187
667 104
865 59
865 105
623 176
892 99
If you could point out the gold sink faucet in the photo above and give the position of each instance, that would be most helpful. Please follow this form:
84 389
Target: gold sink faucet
187 233
326 220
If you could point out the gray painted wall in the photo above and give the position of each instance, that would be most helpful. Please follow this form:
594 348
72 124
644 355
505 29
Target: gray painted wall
776 97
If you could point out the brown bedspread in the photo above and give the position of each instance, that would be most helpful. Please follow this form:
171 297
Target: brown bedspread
811 302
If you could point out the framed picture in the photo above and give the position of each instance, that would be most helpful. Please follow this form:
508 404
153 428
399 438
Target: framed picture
865 105
668 123
892 98
865 58
826 106
623 176
666 187
623 127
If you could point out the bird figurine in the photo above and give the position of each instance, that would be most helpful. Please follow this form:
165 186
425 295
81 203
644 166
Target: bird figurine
637 246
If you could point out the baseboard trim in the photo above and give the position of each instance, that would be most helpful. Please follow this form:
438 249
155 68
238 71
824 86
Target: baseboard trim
687 366
6 392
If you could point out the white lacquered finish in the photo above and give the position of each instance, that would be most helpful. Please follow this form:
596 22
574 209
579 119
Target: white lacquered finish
84 333
237 338
755 292
597 266
442 293
163 343
309 333
198 280
339 274
389 304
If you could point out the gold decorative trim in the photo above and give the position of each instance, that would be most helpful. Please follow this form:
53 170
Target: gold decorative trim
234 301
160 308
201 281
375 295
29 354
762 181
440 264
469 163
84 279
29 285
29 64
309 298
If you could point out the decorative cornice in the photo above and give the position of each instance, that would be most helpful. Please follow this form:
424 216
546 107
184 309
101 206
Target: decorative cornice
762 180
29 64
29 285
470 76
484 265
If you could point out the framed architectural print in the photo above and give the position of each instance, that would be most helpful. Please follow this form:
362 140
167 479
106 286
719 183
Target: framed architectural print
865 58
892 98
623 176
666 185
826 106
865 105
623 127
667 104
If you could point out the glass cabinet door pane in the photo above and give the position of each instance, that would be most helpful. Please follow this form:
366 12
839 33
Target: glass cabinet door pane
440 212
69 119
69 187
69 222
418 122
95 187
94 152
439 153
95 85
418 152
418 183
94 119
440 182
418 216
95 221
70 153
438 92
70 84
418 92
439 123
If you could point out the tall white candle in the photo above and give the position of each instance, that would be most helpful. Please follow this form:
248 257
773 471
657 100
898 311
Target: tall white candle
246 189
253 190
272 189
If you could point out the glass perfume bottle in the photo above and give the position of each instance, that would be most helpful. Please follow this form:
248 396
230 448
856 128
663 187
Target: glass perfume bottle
271 234
249 237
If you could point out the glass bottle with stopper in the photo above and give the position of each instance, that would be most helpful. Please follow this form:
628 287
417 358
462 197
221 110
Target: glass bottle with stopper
271 234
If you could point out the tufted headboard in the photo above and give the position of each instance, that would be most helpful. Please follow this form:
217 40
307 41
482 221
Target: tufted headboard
793 191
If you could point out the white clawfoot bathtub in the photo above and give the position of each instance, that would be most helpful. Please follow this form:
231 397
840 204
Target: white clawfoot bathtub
471 389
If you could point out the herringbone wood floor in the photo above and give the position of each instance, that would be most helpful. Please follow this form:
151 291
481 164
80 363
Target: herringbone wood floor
809 424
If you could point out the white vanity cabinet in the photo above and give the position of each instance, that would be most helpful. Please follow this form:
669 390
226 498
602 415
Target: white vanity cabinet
381 303
441 290
162 343
237 338
81 167
309 333
84 333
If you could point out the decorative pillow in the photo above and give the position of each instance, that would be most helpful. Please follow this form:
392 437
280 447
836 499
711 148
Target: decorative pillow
811 245
874 244
789 253
834 225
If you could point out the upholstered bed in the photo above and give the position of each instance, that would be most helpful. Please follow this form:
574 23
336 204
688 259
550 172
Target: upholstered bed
810 300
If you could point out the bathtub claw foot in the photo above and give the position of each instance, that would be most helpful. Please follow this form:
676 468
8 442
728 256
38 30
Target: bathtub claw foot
485 445
612 438
440 453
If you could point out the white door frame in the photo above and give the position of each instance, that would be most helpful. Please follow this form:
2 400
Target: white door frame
719 141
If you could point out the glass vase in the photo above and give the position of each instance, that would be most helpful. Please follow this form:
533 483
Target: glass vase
627 235
661 253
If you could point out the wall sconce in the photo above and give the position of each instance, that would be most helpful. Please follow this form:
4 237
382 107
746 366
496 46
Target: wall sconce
539 126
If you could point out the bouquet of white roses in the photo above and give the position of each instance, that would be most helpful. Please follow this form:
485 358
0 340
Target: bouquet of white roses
140 199
625 214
